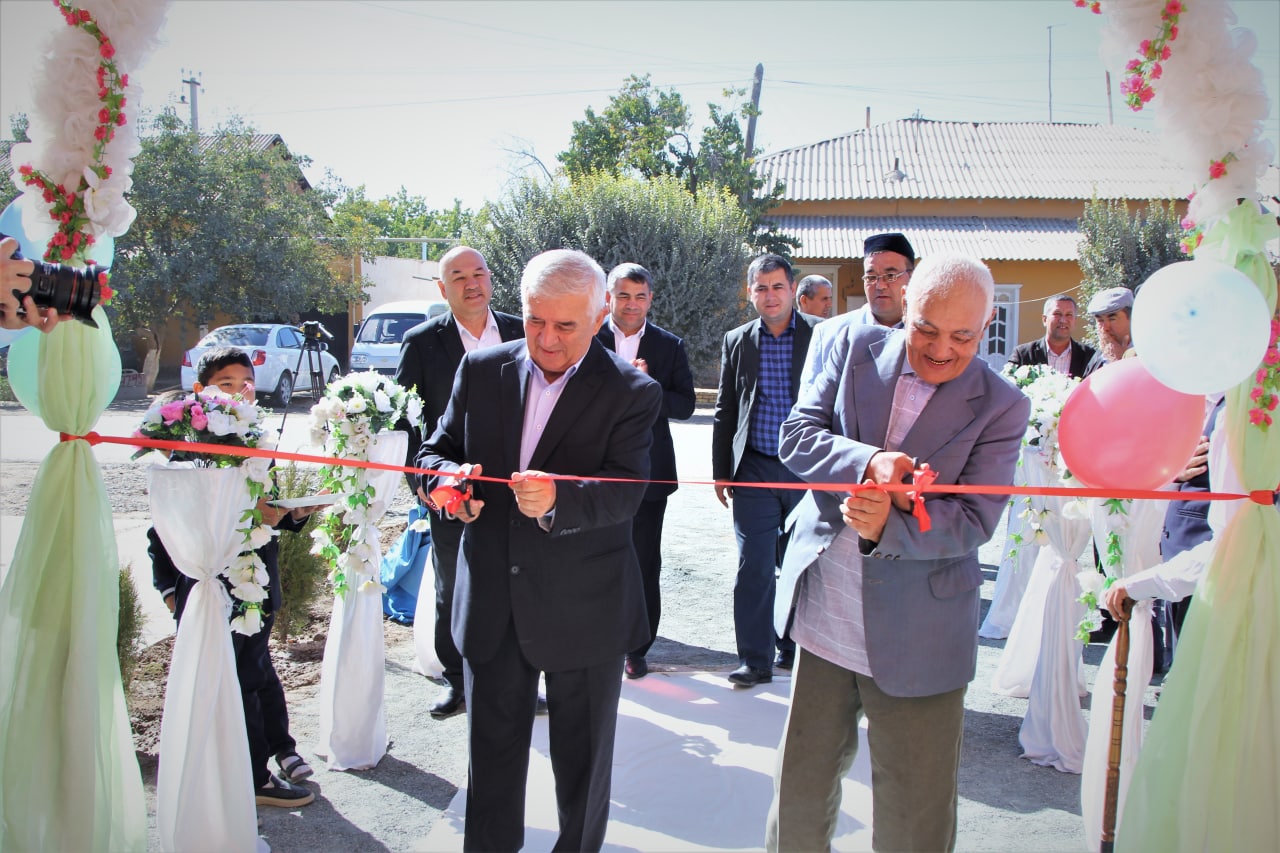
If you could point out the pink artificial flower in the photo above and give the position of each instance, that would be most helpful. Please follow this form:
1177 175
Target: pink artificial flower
124 81
24 169
67 252
1173 7
1133 65
1260 376
1187 224
1144 47
107 50
1080 4
1096 7
1257 417
1256 394
106 171
85 16
104 115
100 133
59 239
1146 94
48 196
1271 403
1166 52
173 412
1217 168
1156 71
1173 33
120 119
199 419
1272 357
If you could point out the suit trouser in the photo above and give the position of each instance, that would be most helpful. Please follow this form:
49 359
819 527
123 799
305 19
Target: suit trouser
915 758
582 717
266 718
646 536
758 518
446 538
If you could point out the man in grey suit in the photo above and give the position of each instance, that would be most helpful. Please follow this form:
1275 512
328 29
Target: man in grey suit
429 358
759 379
886 616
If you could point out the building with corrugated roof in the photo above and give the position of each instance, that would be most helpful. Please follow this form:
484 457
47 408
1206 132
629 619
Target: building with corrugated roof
1008 192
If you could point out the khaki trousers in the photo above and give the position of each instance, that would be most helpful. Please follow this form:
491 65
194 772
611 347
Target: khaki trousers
915 758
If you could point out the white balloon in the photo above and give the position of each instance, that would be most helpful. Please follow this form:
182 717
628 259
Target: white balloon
1200 326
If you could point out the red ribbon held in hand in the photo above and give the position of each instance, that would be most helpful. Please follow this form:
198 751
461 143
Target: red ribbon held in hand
923 477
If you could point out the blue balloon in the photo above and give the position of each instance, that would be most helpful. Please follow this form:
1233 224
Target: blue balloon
102 252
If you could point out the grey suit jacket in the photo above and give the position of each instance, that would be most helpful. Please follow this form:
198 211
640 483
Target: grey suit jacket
919 590
739 373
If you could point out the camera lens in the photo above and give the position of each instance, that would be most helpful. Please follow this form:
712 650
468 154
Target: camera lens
69 290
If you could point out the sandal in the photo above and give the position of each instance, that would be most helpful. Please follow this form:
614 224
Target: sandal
293 767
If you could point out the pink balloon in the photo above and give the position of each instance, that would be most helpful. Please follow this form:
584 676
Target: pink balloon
1121 428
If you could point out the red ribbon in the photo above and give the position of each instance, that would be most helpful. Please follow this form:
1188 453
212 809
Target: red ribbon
924 479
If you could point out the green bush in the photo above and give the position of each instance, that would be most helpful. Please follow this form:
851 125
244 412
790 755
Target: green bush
302 574
129 629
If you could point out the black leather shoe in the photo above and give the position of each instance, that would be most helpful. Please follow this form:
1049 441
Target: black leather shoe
451 703
749 676
785 660
636 666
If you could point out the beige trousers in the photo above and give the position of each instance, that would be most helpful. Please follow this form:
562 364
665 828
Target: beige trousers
915 758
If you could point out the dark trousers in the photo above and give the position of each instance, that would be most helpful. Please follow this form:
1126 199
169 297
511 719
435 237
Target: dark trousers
758 518
266 719
646 535
582 708
446 537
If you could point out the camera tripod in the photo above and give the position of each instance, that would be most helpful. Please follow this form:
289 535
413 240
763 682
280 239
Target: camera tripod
315 367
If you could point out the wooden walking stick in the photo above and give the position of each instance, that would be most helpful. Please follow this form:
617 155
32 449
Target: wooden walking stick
1111 801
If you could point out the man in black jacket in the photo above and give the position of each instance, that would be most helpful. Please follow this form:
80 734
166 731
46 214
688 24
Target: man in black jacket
1058 348
429 358
662 356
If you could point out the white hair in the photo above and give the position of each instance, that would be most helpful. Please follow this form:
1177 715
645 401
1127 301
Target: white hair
563 271
945 273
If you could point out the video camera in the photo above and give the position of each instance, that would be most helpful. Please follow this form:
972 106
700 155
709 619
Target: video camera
314 333
69 290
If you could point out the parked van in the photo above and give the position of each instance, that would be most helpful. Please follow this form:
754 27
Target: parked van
377 345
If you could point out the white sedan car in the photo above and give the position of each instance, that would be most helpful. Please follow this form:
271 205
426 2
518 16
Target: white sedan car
281 365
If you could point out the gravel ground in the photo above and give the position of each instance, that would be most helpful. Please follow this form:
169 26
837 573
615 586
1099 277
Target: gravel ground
1007 804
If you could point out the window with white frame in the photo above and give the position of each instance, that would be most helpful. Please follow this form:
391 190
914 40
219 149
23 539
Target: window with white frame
1002 334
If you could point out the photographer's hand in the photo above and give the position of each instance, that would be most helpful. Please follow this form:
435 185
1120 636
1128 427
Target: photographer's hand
15 275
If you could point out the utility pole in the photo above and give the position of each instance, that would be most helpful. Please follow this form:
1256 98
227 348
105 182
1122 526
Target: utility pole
1050 29
756 83
1111 119
192 82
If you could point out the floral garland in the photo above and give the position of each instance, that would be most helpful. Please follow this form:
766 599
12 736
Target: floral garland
80 213
1137 87
346 421
1266 391
1048 391
211 418
1093 584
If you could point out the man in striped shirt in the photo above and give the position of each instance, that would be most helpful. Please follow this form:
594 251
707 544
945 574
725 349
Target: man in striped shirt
886 613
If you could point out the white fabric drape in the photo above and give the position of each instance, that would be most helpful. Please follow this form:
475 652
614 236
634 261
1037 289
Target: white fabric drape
204 794
427 662
1053 730
353 724
1015 563
1139 531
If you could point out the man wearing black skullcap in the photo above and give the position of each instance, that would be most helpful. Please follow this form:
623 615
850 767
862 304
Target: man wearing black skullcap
888 260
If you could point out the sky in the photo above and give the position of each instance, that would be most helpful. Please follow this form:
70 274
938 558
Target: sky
440 97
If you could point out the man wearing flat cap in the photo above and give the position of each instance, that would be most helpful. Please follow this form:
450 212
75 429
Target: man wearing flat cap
887 261
1111 310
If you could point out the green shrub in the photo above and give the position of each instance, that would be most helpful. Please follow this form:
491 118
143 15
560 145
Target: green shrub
302 574
129 629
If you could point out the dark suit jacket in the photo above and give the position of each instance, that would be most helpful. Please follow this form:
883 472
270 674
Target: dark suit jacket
739 373
429 358
574 592
920 591
668 366
1186 523
1084 358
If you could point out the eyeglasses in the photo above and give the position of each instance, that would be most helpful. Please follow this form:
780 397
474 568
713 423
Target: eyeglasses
887 278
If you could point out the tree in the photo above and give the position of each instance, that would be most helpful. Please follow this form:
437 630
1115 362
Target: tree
645 132
1120 249
694 247
19 124
400 215
224 226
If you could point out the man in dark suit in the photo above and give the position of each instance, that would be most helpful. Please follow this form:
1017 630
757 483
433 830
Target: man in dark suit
429 358
1058 348
885 614
661 355
548 580
760 367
